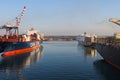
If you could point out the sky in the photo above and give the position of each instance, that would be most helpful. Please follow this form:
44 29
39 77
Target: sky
63 17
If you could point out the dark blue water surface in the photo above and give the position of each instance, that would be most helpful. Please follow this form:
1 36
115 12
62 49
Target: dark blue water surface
58 61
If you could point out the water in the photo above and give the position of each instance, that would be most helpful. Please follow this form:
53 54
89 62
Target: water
58 61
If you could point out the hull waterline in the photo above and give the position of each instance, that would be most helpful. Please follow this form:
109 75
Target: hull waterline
20 51
111 54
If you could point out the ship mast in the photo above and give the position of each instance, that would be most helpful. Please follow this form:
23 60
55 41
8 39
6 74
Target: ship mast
13 29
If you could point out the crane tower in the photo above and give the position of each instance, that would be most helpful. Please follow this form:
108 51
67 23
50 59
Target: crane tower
13 29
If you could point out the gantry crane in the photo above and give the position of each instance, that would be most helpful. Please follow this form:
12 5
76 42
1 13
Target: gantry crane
13 29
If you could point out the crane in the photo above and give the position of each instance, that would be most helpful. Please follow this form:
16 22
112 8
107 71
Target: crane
18 20
115 20
13 29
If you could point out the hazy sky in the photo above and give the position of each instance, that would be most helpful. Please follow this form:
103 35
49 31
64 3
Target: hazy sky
63 17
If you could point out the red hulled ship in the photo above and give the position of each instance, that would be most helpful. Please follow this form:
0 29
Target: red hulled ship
12 43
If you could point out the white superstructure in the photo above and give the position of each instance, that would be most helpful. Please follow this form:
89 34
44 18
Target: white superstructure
86 39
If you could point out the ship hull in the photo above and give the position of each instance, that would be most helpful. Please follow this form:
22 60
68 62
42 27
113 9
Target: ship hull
13 49
86 44
111 54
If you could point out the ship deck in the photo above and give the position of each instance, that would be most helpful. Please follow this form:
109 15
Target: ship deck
108 41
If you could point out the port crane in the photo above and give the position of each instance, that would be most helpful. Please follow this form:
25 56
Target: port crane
13 29
115 20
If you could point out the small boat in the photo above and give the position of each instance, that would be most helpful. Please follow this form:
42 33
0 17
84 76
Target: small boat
12 43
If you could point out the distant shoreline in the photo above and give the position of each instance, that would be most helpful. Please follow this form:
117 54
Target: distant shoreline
60 38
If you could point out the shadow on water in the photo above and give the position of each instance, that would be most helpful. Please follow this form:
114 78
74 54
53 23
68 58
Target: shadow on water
17 63
106 71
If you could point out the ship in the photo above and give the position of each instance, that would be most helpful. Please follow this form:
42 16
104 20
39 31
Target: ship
86 39
13 43
109 47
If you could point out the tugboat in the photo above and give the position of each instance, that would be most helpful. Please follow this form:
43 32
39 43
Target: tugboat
12 43
109 47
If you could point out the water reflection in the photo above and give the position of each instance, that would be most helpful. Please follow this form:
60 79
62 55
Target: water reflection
106 71
17 63
88 51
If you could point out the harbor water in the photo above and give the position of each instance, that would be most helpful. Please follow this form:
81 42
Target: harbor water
58 60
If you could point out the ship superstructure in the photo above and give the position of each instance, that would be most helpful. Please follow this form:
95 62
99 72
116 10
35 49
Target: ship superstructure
86 39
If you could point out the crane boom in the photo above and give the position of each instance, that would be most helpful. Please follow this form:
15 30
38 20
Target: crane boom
18 20
115 20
